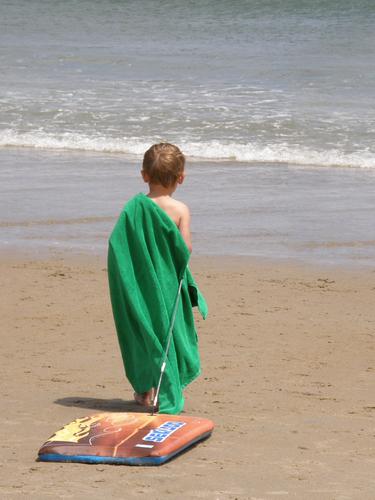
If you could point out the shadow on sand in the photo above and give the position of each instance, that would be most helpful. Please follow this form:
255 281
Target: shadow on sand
116 405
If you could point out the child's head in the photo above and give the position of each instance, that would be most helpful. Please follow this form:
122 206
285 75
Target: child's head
163 164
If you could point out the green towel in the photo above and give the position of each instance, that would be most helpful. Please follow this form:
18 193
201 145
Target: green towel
147 257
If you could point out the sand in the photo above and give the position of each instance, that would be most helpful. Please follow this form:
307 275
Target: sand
288 377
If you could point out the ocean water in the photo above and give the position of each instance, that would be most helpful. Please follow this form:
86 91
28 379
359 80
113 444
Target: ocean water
251 80
272 101
70 202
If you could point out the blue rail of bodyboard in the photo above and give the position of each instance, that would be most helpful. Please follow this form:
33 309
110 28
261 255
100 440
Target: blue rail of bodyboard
93 459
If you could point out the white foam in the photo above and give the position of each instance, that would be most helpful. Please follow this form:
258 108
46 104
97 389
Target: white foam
279 153
73 142
213 150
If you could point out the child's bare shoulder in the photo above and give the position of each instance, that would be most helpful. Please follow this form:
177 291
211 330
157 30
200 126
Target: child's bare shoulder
176 209
180 206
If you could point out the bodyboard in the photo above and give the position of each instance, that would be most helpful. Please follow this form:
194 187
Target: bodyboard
125 438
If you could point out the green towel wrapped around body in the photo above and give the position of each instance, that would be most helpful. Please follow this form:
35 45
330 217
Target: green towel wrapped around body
147 258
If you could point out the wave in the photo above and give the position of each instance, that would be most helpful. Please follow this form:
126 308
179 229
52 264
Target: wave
196 151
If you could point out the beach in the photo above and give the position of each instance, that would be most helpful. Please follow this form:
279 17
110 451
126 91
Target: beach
287 377
273 105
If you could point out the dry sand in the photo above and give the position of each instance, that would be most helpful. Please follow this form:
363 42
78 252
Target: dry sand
288 377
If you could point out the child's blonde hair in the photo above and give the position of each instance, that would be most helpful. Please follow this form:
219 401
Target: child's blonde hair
164 164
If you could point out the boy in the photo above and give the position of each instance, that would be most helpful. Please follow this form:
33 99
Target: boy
163 169
150 282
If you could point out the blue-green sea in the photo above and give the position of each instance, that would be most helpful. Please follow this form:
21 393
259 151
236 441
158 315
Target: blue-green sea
255 80
272 101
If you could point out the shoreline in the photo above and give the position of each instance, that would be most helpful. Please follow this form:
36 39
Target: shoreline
71 202
287 376
228 261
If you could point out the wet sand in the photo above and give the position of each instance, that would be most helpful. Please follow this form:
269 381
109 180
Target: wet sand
70 201
288 377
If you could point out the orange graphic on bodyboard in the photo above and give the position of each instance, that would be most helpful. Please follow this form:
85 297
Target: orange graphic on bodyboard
125 435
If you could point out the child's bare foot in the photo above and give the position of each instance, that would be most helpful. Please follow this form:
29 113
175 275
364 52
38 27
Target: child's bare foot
144 398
